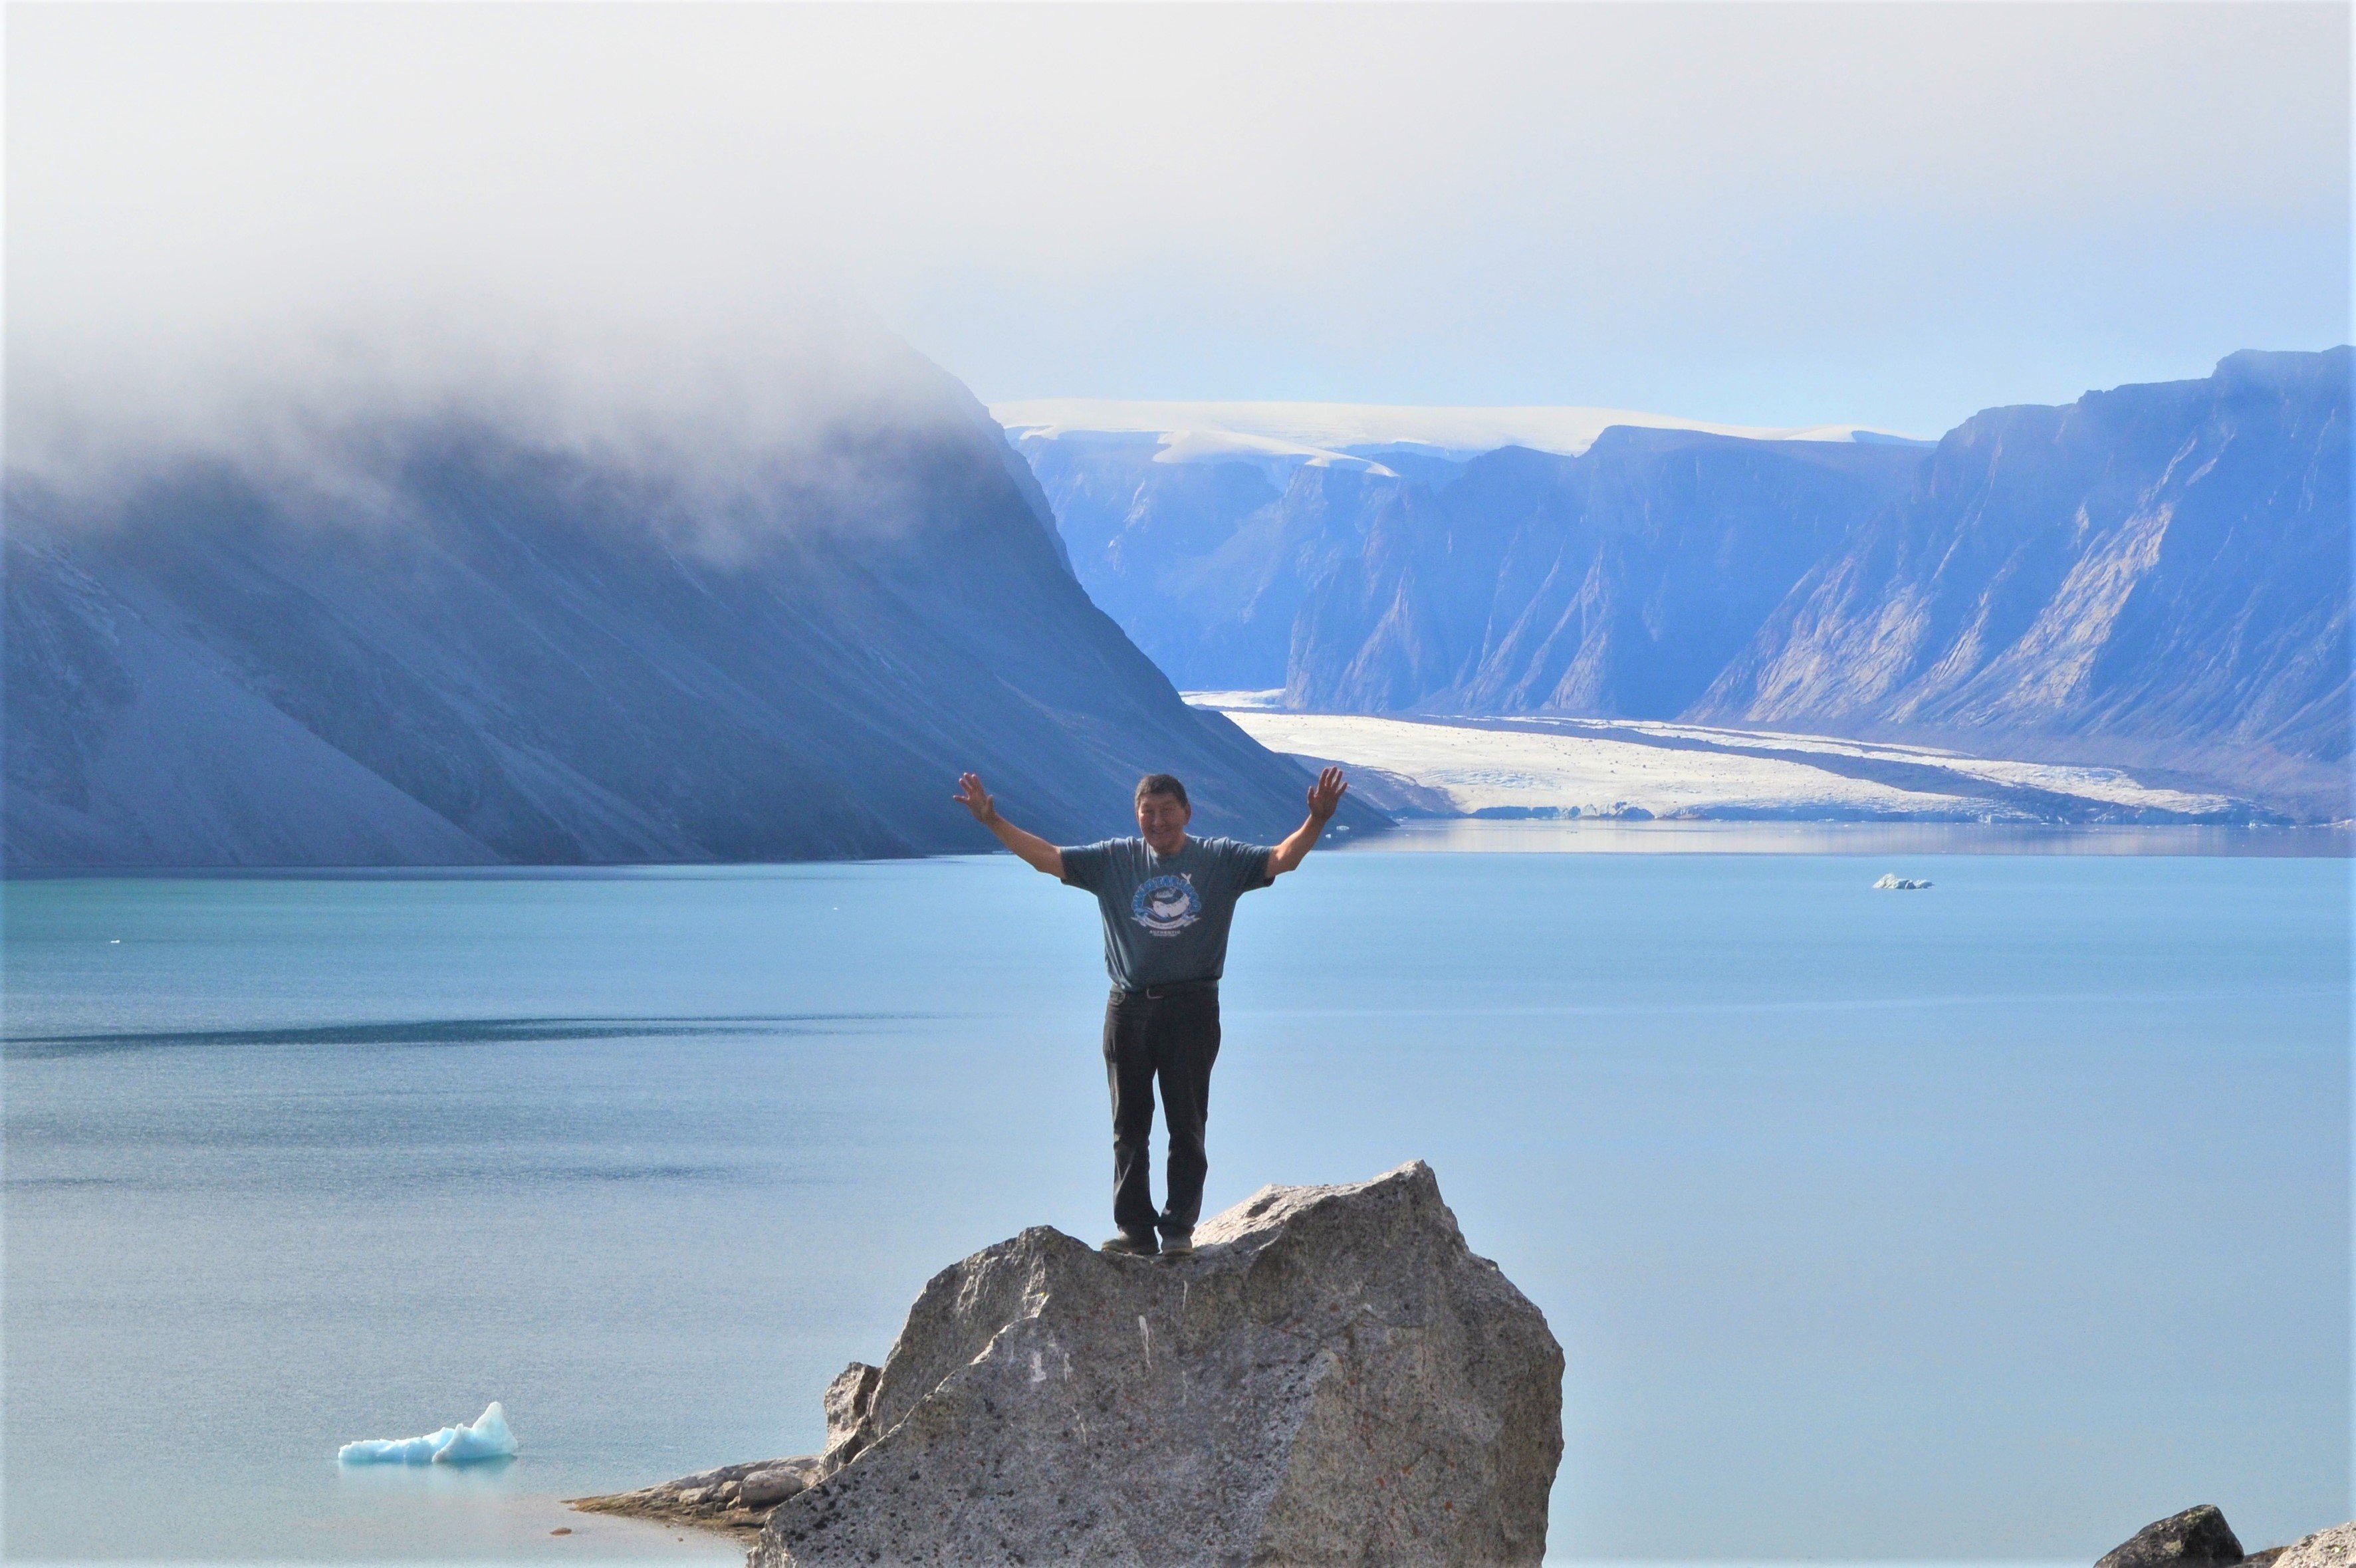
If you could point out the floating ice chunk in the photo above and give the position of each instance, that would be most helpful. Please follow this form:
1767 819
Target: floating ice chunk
488 1438
1892 881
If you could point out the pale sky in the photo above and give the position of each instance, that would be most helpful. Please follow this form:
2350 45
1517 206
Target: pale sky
1760 214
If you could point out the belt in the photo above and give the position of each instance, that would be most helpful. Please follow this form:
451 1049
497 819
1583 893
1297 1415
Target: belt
1155 993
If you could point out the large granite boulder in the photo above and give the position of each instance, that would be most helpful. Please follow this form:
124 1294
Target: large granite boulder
1332 1377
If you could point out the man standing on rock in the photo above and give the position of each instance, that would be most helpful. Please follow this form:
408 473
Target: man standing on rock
1167 899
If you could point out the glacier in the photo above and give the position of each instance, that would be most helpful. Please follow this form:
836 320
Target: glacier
1470 765
487 1438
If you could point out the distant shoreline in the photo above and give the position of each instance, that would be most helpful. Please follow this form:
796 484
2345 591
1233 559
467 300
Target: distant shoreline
1862 839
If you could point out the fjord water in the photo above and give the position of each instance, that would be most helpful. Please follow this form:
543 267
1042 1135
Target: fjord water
1985 1222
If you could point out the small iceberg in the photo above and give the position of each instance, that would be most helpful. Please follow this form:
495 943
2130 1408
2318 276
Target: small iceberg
1892 882
488 1438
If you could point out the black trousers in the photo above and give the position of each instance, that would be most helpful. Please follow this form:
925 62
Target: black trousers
1172 1035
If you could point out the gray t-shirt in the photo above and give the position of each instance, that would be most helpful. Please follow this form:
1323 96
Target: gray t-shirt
1165 916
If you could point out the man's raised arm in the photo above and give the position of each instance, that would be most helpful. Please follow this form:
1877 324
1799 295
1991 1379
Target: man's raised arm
1033 850
1324 798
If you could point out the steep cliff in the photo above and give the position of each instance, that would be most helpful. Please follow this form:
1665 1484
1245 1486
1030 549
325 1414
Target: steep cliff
2165 566
1394 574
450 641
1615 583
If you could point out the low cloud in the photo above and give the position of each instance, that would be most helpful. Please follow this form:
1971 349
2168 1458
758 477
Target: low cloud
1761 214
784 419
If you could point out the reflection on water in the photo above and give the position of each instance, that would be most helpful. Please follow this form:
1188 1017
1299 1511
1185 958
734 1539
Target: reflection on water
1463 834
446 1031
497 1510
486 1478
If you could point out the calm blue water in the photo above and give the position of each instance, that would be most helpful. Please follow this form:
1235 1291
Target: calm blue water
1986 1223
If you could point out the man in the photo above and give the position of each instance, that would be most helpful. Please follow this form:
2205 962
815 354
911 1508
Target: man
1166 900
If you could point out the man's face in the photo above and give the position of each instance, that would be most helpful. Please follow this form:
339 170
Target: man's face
1162 821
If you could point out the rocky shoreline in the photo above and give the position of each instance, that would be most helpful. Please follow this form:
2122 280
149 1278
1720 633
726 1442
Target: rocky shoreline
733 1497
1332 1377
2200 1538
740 1497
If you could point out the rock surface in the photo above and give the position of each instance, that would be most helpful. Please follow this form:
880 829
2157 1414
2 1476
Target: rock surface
2194 1539
1332 1377
733 1497
2333 1548
2200 1538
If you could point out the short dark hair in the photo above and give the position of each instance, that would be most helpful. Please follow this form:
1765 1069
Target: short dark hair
1162 783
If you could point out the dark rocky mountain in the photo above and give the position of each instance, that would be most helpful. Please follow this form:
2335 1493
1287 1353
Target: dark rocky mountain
2156 571
471 646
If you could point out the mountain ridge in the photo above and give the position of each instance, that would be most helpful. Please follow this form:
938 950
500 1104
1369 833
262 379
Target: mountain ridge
2154 575
488 646
2155 563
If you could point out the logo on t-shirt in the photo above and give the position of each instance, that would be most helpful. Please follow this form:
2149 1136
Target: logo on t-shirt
1166 905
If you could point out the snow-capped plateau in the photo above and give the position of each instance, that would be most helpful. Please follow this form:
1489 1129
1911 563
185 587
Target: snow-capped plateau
1203 432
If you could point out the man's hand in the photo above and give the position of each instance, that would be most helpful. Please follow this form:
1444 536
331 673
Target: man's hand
1325 795
976 799
1324 799
1032 850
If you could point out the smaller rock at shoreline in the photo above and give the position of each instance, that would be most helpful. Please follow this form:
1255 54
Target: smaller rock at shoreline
2197 1538
732 1498
742 1496
2200 1538
766 1488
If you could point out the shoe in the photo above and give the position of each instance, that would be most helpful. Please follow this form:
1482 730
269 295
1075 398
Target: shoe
1178 1244
1128 1245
